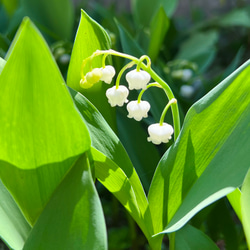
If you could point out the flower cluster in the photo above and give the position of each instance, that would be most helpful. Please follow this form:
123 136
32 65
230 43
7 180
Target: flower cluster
105 74
117 95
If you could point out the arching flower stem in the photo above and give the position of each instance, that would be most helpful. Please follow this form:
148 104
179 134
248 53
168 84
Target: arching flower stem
147 68
127 66
142 58
170 95
154 84
172 101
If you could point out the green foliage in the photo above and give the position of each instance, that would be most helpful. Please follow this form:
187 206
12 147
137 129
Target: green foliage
144 10
57 142
90 37
245 206
37 118
184 239
14 229
202 164
78 224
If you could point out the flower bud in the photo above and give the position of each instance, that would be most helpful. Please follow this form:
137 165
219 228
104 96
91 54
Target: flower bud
160 133
117 96
94 76
137 79
107 74
138 110
84 84
187 91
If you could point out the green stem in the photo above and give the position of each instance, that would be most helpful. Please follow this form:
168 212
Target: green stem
172 101
170 95
129 65
167 89
154 84
142 58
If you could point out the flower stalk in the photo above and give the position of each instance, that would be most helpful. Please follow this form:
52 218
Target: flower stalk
146 68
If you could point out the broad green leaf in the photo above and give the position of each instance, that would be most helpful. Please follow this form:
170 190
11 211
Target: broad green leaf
158 29
235 63
143 154
237 17
73 218
245 206
10 5
129 45
144 10
234 199
190 237
199 48
113 167
220 224
53 17
2 64
42 131
14 229
203 165
89 38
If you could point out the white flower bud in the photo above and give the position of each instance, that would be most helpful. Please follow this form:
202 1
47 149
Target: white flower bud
186 74
138 110
160 133
107 74
182 74
117 96
187 91
137 79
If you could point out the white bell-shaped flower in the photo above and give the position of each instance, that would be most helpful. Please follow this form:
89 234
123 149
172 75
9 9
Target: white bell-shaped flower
108 72
160 133
186 74
137 79
187 91
117 96
138 110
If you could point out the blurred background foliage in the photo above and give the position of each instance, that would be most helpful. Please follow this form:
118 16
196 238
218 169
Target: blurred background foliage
193 45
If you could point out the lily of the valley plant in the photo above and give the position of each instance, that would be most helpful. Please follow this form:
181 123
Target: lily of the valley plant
59 138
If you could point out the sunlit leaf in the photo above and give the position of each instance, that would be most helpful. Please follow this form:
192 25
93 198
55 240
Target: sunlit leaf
14 229
73 218
2 64
113 167
203 165
42 132
89 38
234 199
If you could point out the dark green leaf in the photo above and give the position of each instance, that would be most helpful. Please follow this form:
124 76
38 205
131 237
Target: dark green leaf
190 238
144 10
57 17
158 29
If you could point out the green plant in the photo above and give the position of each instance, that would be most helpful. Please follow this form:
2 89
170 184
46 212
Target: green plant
55 144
